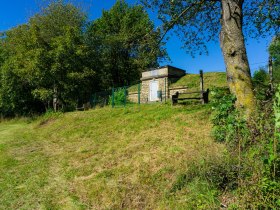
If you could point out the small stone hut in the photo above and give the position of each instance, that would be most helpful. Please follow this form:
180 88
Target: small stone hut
155 83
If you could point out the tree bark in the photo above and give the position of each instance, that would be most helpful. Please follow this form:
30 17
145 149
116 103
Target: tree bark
235 56
55 98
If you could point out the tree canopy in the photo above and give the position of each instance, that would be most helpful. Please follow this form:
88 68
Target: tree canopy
59 58
199 21
45 55
127 43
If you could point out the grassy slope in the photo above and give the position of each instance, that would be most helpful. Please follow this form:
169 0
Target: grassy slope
192 82
211 79
108 159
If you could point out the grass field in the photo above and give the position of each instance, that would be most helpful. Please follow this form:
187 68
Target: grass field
133 158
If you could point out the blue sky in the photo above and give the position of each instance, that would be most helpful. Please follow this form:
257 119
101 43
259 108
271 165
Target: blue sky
15 12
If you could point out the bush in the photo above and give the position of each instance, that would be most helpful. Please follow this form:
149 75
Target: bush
119 97
256 174
228 124
261 85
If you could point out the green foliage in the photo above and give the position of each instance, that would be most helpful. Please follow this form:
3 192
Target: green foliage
276 139
58 59
119 98
254 145
277 113
261 157
45 57
261 76
44 95
196 22
274 51
127 44
15 95
261 81
2 51
228 125
225 118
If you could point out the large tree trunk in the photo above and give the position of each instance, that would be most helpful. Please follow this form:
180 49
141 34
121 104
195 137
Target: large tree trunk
235 56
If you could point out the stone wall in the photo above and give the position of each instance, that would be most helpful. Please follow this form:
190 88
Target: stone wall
155 73
172 91
165 71
145 88
133 97
145 91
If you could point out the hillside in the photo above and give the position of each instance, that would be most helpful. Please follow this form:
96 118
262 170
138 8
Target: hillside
211 79
141 157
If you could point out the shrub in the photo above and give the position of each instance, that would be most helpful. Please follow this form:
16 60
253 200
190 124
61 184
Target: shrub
119 97
255 144
261 84
228 124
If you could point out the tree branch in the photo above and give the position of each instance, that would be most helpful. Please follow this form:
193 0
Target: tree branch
173 22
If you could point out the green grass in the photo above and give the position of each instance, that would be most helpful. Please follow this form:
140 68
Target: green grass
211 79
192 82
125 158
133 88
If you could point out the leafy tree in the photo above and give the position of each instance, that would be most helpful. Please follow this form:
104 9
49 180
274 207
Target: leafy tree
48 54
2 51
274 51
198 21
127 44
61 32
15 95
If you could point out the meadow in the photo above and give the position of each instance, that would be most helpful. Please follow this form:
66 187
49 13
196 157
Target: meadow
138 157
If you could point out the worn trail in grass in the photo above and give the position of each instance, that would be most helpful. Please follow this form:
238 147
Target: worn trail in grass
107 158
